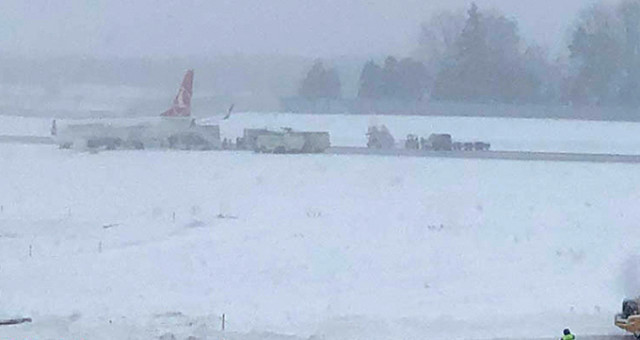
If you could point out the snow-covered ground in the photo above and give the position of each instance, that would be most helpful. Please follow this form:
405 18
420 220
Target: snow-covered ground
136 244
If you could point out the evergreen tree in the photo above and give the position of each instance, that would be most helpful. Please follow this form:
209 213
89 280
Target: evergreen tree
596 58
371 81
404 80
486 64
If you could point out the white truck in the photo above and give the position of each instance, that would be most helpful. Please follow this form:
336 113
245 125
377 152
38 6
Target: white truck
289 141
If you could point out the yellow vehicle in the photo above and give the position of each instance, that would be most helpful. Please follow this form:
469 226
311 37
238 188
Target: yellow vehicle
629 319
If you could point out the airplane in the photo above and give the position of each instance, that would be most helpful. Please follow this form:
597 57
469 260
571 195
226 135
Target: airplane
175 129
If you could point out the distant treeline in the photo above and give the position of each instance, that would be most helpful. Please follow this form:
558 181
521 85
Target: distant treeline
479 57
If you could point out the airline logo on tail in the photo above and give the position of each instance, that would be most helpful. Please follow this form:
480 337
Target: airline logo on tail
182 103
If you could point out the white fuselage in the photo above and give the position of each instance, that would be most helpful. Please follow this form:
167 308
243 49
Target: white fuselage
163 133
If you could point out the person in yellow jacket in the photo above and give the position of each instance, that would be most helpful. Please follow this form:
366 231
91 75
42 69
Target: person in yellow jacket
567 335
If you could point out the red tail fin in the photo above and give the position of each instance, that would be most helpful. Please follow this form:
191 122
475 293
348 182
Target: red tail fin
182 103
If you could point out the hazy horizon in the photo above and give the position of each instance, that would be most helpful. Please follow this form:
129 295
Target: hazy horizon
151 28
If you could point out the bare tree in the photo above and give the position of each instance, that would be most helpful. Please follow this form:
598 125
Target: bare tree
438 36
321 83
487 63
596 56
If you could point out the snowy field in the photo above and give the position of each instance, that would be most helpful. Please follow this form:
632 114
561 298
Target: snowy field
137 244
504 134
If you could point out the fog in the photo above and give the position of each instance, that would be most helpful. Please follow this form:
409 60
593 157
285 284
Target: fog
319 169
362 56
292 27
257 53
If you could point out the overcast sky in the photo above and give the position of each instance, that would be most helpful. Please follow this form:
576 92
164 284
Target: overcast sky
314 28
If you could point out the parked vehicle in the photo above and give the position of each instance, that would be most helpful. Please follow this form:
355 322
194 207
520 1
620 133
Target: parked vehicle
443 142
379 137
412 142
289 141
629 319
438 142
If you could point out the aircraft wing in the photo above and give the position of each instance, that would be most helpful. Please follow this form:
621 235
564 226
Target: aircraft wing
228 112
